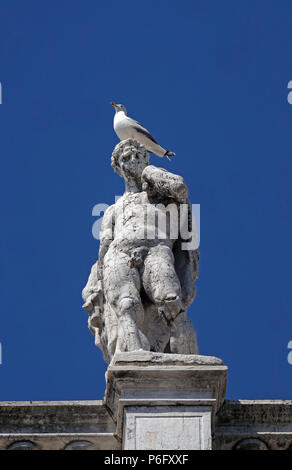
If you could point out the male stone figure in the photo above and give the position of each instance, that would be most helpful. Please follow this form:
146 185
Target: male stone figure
139 289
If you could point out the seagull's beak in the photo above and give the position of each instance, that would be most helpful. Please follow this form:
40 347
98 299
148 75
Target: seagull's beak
113 104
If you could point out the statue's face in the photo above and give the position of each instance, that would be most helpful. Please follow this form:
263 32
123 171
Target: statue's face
132 162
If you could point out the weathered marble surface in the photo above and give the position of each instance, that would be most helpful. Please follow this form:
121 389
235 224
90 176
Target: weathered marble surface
139 290
149 358
167 428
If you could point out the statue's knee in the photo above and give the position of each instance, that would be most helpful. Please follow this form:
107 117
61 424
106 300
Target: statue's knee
171 306
171 296
130 306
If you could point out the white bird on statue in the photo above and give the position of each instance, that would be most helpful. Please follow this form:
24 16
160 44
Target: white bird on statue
127 128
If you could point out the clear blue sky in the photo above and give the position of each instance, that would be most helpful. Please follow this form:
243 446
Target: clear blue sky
209 79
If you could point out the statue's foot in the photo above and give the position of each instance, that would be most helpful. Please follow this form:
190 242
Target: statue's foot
132 339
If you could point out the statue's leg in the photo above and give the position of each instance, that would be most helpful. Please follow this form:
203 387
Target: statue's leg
122 291
183 338
161 283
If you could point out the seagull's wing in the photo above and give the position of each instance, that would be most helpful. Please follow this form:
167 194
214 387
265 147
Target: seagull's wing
142 130
137 122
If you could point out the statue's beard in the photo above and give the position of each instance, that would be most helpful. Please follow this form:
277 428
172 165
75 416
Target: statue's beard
132 173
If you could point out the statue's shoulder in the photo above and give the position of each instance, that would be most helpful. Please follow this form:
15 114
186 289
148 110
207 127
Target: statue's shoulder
110 210
108 217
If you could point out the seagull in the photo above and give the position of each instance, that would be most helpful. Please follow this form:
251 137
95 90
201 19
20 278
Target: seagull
127 128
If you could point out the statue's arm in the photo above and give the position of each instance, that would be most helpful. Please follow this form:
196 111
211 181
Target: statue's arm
94 289
187 259
160 181
106 233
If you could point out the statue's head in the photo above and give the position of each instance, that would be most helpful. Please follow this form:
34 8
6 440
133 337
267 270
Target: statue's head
129 159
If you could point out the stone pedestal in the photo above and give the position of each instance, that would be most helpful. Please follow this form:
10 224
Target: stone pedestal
165 401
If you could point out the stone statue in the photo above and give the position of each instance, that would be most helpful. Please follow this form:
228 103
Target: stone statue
139 290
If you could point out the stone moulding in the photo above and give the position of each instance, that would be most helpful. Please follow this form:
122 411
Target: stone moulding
240 424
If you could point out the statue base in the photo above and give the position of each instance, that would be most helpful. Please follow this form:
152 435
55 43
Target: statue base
164 401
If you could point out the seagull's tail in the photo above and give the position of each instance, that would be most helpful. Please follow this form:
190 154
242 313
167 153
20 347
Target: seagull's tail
168 154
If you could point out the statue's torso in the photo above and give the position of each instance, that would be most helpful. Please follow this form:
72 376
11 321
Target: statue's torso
140 221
